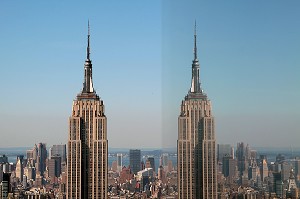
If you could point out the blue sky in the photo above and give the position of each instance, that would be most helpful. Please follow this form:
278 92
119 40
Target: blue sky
142 53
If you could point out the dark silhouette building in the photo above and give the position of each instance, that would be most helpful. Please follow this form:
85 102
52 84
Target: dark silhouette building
135 160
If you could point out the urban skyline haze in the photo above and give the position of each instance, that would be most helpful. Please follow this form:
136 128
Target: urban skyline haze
142 54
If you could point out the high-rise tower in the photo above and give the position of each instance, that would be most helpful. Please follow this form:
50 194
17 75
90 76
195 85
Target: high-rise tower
135 160
87 144
41 157
196 145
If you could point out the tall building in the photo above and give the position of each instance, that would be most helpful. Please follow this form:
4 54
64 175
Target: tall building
226 165
241 157
87 143
292 181
19 167
285 170
135 160
54 166
58 149
264 169
152 162
30 171
29 154
35 152
41 158
277 184
5 185
1 172
119 162
223 150
297 169
196 145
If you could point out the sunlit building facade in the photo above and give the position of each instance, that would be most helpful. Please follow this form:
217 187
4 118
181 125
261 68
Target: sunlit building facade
87 144
196 145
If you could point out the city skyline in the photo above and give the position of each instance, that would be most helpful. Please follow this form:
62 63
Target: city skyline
248 56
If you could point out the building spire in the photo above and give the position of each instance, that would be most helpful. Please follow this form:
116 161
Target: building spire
88 80
195 84
88 45
195 41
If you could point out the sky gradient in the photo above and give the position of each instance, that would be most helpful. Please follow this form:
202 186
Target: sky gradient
142 55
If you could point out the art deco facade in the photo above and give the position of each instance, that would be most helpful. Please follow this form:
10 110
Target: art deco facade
196 145
87 144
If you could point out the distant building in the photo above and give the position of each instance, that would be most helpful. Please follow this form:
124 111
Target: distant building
145 177
54 166
1 173
3 159
162 174
125 175
164 159
152 162
253 171
119 162
148 164
278 184
297 169
135 160
59 149
253 154
24 180
225 166
38 180
35 152
223 150
264 169
170 165
5 185
114 166
142 165
29 154
285 171
19 167
241 158
30 171
146 172
41 158
292 182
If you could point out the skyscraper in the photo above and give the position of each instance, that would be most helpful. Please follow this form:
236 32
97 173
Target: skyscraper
264 169
152 162
19 167
196 145
54 166
41 158
135 160
5 185
119 162
223 150
58 149
241 157
87 144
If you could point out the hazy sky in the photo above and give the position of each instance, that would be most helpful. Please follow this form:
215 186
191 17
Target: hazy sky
141 52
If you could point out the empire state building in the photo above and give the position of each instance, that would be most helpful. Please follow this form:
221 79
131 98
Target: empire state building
196 144
87 143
